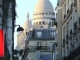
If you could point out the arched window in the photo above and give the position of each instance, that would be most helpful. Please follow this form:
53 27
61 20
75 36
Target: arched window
40 23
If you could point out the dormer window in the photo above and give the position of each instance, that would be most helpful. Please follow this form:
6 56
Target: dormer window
38 33
52 34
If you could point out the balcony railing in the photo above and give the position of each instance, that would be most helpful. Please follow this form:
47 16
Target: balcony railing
33 48
25 54
74 54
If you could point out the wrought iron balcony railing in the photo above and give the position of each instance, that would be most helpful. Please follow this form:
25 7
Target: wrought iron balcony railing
74 54
33 48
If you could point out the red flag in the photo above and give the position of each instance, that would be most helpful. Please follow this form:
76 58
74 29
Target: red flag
1 43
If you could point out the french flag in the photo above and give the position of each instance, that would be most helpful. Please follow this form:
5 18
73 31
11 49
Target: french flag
1 43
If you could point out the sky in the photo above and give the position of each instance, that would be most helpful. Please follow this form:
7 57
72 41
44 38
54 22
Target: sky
22 7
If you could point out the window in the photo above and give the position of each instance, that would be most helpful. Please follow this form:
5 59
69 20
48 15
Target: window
52 23
43 13
52 34
49 24
39 33
50 13
39 13
46 13
43 22
40 23
38 44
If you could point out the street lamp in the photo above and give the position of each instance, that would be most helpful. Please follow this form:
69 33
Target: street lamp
19 28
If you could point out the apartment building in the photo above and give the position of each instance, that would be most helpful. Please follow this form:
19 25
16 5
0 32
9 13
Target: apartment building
68 27
40 42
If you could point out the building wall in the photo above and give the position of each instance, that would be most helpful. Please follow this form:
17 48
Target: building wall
43 43
70 16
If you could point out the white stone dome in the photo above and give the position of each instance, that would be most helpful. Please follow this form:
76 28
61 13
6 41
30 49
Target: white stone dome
43 9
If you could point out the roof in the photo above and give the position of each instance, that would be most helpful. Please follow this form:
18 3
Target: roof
43 9
42 34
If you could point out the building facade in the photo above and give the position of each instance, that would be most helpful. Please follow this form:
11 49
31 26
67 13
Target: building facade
40 45
68 18
7 24
40 42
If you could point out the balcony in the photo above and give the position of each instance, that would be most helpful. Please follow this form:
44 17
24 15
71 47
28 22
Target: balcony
67 15
74 55
25 54
41 48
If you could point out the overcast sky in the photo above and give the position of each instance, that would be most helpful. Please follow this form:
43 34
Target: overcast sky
24 6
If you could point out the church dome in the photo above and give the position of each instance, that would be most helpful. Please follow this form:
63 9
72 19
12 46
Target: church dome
43 9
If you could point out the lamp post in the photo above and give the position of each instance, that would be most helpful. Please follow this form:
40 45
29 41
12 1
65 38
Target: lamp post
19 28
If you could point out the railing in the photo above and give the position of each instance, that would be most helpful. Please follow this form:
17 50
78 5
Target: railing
25 54
33 48
74 54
